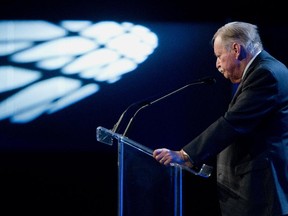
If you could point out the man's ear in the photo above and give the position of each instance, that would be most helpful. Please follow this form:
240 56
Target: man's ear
240 51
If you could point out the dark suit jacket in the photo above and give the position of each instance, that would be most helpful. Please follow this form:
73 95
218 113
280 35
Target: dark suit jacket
251 143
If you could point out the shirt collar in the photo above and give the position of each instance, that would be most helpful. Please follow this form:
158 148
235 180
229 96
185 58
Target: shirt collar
249 63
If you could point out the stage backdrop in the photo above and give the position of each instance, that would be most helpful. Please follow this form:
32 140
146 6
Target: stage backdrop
60 80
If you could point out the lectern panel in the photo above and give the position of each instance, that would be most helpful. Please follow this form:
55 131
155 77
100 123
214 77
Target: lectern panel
146 187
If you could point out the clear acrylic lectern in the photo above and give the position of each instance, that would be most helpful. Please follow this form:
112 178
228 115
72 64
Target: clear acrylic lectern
146 187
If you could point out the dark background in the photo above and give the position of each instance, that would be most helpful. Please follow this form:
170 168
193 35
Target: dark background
55 166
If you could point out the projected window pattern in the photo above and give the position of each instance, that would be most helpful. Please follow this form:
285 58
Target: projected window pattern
46 67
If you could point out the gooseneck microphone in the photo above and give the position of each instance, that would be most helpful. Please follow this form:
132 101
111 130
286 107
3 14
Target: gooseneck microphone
145 103
208 80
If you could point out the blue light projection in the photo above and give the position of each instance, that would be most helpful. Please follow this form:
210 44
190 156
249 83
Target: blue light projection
46 67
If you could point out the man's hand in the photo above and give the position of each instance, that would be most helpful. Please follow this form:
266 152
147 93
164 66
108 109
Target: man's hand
167 156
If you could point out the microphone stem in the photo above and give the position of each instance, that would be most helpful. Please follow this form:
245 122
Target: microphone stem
131 119
143 104
175 91
156 100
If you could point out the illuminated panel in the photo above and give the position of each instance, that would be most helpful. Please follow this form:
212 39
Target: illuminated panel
46 67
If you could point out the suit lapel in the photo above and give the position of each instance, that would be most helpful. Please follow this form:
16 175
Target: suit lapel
248 72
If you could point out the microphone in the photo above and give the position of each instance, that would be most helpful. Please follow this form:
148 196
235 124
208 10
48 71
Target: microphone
146 103
207 80
116 126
